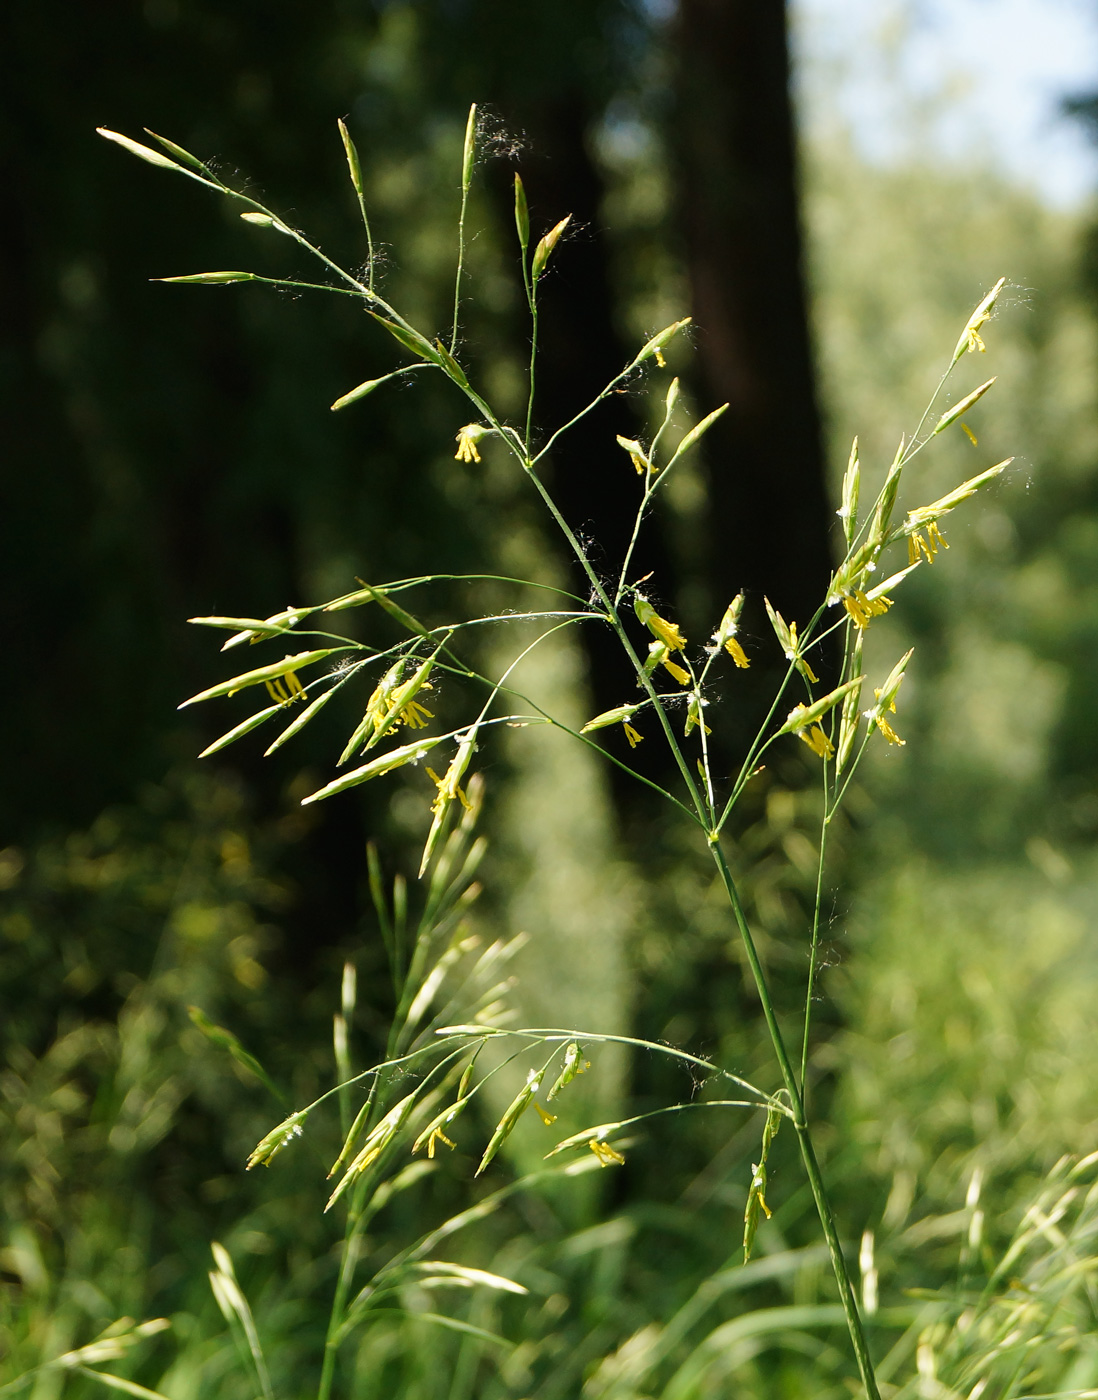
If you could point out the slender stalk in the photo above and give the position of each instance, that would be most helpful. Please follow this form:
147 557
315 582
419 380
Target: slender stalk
651 478
347 1261
457 278
339 1307
814 952
804 1136
577 418
360 195
637 523
370 261
703 734
466 180
533 368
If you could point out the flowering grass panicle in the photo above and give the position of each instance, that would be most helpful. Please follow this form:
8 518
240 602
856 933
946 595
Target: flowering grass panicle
407 1101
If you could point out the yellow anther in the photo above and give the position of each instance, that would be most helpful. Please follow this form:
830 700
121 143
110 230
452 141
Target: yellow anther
737 653
467 439
288 693
605 1153
438 1136
863 609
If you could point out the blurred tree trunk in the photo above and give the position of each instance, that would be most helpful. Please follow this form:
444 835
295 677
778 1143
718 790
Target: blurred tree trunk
734 141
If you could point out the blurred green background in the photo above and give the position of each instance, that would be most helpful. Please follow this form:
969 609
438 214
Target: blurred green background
169 452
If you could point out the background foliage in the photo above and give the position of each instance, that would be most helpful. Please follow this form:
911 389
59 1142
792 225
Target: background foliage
172 455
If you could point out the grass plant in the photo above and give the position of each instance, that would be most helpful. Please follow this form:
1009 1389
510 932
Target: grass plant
449 1037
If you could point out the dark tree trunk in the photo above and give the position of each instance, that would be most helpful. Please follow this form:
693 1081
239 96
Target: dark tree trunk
734 142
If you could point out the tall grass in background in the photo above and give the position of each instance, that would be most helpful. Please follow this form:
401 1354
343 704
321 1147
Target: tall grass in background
974 917
1008 1308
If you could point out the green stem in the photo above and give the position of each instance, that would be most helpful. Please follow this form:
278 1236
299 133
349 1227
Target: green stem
814 954
369 240
804 1136
602 395
533 367
633 539
460 268
343 1287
